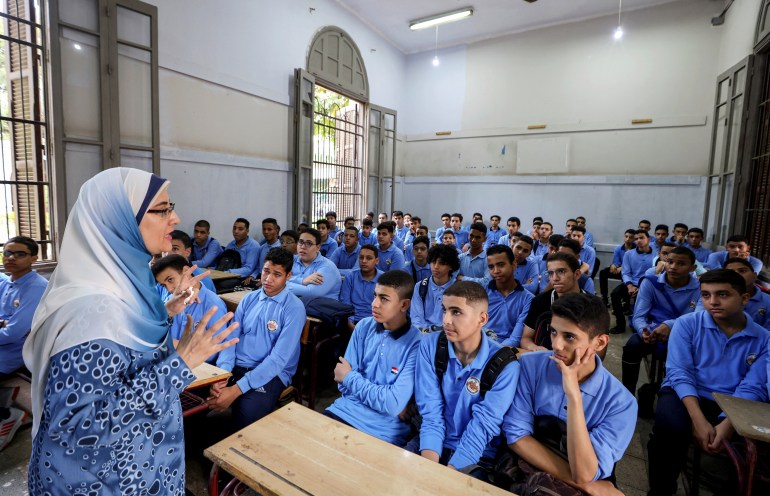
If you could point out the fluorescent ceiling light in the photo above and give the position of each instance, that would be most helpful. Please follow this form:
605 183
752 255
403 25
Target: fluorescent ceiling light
429 22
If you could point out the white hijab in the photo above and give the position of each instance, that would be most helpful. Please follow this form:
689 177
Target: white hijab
103 287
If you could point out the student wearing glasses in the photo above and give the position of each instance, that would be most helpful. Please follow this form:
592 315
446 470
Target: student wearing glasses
313 274
289 241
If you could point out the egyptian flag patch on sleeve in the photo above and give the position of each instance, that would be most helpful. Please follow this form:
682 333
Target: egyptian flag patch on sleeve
394 370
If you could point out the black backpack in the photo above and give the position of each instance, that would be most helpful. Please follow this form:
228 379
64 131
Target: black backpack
328 310
229 259
492 369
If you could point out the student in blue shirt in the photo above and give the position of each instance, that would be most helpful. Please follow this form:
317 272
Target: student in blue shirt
376 375
661 300
448 238
181 244
589 238
587 254
265 359
568 227
737 246
313 274
613 271
245 246
270 231
541 245
168 273
459 424
400 228
444 263
508 300
512 225
19 297
473 263
358 287
331 218
758 307
708 352
680 234
526 266
635 264
206 249
445 225
418 267
494 232
289 240
570 387
461 235
408 251
346 256
414 225
572 247
659 262
391 257
328 244
661 233
534 231
694 239
366 236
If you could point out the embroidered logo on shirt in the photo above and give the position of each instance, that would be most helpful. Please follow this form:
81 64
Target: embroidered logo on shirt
751 359
16 303
472 385
761 312
387 261
692 304
394 370
272 325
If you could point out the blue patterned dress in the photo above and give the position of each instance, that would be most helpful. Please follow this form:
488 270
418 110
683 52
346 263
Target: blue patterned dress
111 423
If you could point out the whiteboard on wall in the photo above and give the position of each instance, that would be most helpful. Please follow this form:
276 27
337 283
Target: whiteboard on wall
542 155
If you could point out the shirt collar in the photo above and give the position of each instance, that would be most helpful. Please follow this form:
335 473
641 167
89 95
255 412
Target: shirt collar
280 298
396 333
481 357
593 383
751 330
493 285
28 277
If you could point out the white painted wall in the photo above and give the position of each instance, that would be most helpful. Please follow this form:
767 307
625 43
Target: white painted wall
738 32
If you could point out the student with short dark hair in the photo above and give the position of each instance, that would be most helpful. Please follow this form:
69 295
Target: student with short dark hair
589 238
270 231
358 287
331 218
366 236
572 247
408 252
613 271
460 423
661 233
181 244
494 232
247 248
473 263
418 267
659 262
376 375
508 300
312 273
737 246
426 302
346 256
526 266
512 225
635 264
206 249
414 225
446 224
391 257
328 244
400 229
680 234
709 351
289 240
448 238
270 322
694 239
644 225
569 387
587 254
568 227
461 235
541 245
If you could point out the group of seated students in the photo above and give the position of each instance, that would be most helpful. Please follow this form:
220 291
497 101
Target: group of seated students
429 365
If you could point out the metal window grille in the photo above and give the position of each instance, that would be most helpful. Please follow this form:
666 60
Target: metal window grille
25 180
758 202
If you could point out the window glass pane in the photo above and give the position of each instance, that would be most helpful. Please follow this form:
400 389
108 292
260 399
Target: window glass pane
389 121
373 195
136 159
83 13
374 151
710 227
84 162
135 96
81 98
720 130
727 207
735 133
305 194
724 91
739 81
388 153
134 27
374 118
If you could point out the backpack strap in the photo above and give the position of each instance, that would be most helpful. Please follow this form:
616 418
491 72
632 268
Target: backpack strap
494 367
423 291
414 271
441 360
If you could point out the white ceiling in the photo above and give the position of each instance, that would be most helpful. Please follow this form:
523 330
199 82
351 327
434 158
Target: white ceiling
491 18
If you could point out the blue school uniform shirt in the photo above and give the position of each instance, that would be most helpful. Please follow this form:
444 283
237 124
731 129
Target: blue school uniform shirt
429 312
401 232
461 238
505 240
652 308
381 383
440 232
493 237
507 313
717 260
473 265
701 254
333 233
328 247
367 240
398 242
526 271
418 273
345 261
269 333
206 281
755 386
588 239
359 293
540 250
249 252
609 409
618 253
454 416
18 302
330 288
702 360
588 255
635 264
206 255
196 311
263 251
758 308
391 259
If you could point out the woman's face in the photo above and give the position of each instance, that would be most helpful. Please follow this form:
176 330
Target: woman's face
155 229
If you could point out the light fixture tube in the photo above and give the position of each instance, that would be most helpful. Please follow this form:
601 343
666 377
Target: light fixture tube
429 22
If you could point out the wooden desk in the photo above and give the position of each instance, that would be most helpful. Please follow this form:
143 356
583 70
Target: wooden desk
297 451
219 275
233 299
751 419
206 374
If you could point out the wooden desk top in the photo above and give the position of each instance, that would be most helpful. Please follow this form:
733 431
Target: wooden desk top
206 374
297 451
751 419
219 275
233 299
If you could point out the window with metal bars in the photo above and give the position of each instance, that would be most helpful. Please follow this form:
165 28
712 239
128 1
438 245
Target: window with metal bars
757 211
25 179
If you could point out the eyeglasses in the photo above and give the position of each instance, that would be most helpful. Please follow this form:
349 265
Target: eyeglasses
557 272
163 212
15 254
287 243
306 244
